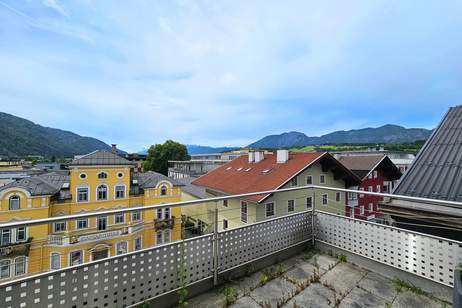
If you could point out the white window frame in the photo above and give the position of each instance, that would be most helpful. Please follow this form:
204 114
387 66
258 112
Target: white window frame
322 179
24 264
117 218
378 188
310 182
244 214
164 213
370 188
309 204
163 190
375 174
361 195
294 181
118 246
370 207
140 240
81 220
266 209
97 193
361 210
82 257
78 194
64 223
117 191
138 213
289 204
17 202
100 175
17 234
6 231
6 261
325 199
54 254
97 222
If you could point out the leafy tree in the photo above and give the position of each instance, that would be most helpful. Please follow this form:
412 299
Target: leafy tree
160 154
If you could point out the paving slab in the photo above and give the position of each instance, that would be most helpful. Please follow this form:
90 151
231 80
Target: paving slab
301 273
378 285
289 263
343 277
273 292
245 302
360 298
324 262
246 284
212 299
315 295
409 299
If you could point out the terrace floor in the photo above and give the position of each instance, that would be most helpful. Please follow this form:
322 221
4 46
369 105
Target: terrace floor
317 280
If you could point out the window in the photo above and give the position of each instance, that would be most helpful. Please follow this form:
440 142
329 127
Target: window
122 247
361 210
163 213
119 218
378 188
324 199
102 175
102 192
338 197
21 234
385 188
163 237
309 179
120 192
6 237
83 176
159 238
244 211
55 261
309 202
225 224
322 179
294 181
352 196
5 269
101 223
269 209
370 188
14 203
167 213
163 190
82 194
361 195
290 206
166 236
371 207
20 266
225 203
136 216
375 174
81 224
60 226
369 176
76 257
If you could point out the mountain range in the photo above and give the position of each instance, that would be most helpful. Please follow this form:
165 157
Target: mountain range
21 137
386 134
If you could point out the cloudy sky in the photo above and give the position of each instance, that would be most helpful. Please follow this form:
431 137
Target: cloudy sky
228 72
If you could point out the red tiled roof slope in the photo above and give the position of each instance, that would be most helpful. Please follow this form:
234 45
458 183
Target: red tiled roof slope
229 180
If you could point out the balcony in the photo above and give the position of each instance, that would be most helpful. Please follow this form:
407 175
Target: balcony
16 249
166 223
63 240
297 260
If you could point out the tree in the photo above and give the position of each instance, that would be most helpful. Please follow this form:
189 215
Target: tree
160 154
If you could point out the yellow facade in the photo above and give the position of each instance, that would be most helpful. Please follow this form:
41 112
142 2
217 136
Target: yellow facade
68 243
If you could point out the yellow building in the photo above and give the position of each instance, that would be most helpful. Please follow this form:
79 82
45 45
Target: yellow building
95 182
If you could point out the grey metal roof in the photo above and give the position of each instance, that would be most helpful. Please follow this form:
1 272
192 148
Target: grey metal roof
150 179
437 170
194 190
46 184
100 158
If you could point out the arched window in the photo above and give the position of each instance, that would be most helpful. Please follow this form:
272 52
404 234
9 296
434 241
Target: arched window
163 190
14 202
102 175
102 192
20 266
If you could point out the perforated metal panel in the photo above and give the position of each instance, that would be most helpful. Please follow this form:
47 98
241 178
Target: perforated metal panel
430 257
244 244
114 282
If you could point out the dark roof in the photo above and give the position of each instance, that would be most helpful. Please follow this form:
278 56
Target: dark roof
239 176
100 158
150 179
193 190
46 184
437 170
362 165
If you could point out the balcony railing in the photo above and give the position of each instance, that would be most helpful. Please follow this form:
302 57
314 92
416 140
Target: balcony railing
153 272
165 223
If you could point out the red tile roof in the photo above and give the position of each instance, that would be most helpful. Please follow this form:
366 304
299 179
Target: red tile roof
239 176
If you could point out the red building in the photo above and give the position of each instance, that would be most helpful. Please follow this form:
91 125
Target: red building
377 174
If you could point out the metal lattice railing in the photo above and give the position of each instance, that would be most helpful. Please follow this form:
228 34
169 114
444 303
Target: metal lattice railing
424 255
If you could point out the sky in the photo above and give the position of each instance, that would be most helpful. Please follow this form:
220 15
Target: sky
226 73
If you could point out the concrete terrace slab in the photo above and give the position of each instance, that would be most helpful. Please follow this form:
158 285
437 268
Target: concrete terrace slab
340 284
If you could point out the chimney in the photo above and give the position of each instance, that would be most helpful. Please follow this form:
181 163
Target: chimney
259 156
114 148
251 157
282 156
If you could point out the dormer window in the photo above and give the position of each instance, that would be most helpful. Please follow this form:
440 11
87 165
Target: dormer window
102 192
102 175
14 203
163 190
